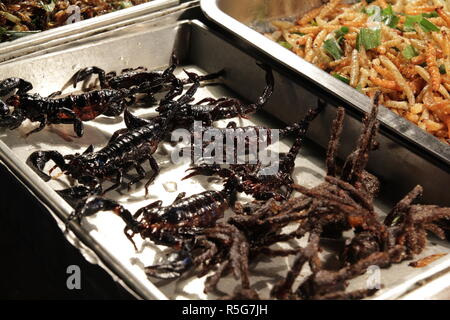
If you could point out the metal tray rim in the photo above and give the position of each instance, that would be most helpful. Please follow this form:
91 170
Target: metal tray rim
29 43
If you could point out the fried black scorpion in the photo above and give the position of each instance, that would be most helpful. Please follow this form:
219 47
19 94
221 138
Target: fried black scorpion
206 243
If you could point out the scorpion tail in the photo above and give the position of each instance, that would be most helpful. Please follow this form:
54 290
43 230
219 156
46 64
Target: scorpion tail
133 122
268 90
231 188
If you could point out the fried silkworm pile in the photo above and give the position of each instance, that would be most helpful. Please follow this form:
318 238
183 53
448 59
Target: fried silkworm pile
19 18
394 46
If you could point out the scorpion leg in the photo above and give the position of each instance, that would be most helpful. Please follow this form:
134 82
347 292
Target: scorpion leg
75 195
117 182
42 123
176 90
83 74
90 186
38 159
67 116
155 167
55 94
209 170
141 175
89 149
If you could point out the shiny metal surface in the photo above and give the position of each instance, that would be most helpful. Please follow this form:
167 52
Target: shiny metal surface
198 48
422 159
82 29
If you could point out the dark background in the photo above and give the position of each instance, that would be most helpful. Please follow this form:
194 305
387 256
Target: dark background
34 255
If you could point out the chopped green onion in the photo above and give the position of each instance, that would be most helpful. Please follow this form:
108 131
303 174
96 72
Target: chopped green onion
427 25
285 44
386 16
410 21
389 18
12 35
359 88
341 33
388 11
299 33
49 7
125 4
314 23
341 77
369 38
442 69
409 52
331 46
433 14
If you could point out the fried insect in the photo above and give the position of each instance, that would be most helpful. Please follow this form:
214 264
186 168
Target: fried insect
76 108
209 110
127 149
140 80
268 182
177 226
72 109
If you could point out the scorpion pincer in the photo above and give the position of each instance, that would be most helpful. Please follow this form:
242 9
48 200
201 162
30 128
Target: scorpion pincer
175 226
127 149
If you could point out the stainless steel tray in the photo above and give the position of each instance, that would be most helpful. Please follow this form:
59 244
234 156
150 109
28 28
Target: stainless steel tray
67 33
421 150
199 49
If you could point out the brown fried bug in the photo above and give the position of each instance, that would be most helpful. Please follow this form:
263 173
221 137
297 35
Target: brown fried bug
176 226
209 110
255 180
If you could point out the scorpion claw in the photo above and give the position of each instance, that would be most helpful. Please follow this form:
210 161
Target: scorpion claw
84 73
208 170
202 170
175 265
38 159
